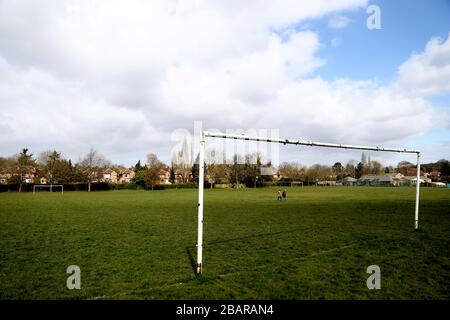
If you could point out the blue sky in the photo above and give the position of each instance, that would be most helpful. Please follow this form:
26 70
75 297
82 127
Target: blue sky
376 54
362 53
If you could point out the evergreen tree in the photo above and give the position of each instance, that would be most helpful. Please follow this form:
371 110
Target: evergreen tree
338 170
138 166
172 174
24 161
359 170
139 173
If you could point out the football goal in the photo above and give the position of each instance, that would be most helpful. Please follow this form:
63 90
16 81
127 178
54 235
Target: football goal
297 184
201 175
49 187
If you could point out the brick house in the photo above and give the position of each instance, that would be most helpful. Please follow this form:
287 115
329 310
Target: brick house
117 175
28 174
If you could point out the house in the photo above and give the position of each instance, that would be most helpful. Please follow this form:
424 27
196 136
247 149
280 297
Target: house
110 175
439 184
269 171
183 174
434 175
117 175
164 176
378 180
5 175
125 175
391 179
413 179
179 178
277 176
348 181
326 183
28 174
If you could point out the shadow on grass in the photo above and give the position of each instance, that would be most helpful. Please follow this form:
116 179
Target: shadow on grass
261 235
192 261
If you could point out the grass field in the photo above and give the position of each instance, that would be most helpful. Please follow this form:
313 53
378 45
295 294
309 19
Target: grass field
141 244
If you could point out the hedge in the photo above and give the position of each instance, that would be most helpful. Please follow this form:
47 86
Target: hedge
100 186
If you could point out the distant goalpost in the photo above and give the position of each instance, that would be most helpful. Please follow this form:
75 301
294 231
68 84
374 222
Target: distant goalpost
50 186
201 175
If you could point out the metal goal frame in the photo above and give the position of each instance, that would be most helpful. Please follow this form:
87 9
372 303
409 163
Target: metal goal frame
201 175
51 186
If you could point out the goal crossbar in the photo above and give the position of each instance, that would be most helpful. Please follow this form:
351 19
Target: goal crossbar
304 142
201 176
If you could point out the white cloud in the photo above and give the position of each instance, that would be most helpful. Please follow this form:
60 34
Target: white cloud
43 112
347 111
240 82
92 37
427 73
121 76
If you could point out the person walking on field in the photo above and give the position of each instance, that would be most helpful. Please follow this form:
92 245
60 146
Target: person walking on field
284 195
279 196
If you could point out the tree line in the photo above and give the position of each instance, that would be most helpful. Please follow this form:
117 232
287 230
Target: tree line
52 166
249 170
55 168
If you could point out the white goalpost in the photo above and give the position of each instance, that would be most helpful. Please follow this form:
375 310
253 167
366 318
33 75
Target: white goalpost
297 183
50 186
201 175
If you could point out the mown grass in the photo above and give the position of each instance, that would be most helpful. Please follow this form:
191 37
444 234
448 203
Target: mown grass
141 244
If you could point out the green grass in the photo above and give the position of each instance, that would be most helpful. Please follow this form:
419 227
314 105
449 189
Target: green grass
141 245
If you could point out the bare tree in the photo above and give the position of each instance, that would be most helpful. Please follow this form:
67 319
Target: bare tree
350 169
216 171
185 172
319 172
376 167
91 166
7 163
154 168
292 170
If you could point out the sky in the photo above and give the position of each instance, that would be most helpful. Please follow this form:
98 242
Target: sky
133 77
